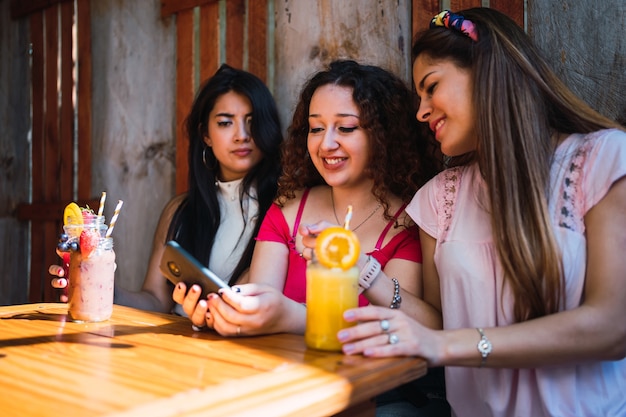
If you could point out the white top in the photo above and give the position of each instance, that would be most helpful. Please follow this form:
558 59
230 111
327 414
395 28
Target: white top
471 282
237 224
238 219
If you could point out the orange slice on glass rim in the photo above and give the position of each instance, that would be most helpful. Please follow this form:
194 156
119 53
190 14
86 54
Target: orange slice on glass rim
72 214
337 247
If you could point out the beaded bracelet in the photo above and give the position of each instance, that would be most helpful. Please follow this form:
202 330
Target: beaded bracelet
397 299
369 273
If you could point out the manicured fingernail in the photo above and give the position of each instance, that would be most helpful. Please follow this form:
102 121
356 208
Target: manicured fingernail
342 335
348 315
348 349
236 289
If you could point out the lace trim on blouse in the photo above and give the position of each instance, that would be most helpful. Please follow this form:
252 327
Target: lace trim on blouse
450 181
569 205
570 198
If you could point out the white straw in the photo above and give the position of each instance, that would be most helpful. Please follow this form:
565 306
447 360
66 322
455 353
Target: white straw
346 223
114 218
101 208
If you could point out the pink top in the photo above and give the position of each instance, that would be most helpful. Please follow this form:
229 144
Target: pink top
404 245
449 209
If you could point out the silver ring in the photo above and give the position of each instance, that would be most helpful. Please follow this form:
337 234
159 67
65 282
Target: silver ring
196 328
238 330
393 339
384 325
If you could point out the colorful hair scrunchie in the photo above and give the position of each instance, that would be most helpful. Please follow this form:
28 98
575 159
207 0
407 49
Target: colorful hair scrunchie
455 21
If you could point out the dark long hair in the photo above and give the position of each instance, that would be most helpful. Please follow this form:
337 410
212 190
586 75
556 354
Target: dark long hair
400 159
520 106
197 219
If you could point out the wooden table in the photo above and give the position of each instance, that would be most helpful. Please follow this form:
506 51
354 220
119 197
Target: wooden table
148 364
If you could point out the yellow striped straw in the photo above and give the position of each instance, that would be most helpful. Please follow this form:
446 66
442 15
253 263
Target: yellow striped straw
114 218
346 223
102 199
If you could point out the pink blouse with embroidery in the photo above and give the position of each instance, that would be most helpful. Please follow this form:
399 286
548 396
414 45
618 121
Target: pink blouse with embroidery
473 295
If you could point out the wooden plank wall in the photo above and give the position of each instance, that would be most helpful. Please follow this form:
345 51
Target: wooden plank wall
424 10
244 46
54 109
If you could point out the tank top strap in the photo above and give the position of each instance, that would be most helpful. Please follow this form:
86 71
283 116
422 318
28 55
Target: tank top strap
296 224
386 229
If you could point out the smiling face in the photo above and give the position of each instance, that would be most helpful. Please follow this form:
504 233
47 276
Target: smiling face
339 148
229 136
445 92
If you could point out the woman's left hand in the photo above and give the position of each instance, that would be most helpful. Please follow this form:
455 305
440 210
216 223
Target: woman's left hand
383 332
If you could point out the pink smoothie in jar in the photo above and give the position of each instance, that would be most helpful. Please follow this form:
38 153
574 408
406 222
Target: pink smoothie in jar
90 289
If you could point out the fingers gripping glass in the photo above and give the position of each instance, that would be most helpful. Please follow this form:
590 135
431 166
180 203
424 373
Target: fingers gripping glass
179 265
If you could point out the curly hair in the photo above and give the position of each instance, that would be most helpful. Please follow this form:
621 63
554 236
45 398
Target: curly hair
400 160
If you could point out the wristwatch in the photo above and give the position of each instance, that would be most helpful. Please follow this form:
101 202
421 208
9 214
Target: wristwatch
484 346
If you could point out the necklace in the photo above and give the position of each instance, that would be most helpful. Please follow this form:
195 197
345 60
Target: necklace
332 199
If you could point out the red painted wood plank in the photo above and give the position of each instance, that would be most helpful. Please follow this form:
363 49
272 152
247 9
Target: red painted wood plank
37 80
51 98
235 12
512 8
457 5
422 13
184 93
84 96
209 40
170 7
257 38
66 138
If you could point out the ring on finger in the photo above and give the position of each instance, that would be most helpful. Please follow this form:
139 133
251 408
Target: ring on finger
198 328
384 325
393 339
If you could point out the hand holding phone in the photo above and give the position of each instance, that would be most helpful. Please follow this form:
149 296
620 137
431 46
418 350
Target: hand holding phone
179 265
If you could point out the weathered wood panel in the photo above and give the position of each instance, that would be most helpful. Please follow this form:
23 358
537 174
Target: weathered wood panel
585 41
311 34
134 62
14 154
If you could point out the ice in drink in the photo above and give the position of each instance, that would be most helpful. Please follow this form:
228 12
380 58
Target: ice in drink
329 292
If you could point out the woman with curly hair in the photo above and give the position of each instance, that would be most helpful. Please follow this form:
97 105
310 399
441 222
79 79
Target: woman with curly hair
353 141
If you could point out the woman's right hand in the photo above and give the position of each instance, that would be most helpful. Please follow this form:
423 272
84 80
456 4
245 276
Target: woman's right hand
197 309
253 309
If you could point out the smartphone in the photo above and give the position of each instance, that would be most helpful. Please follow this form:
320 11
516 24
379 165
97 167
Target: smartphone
179 265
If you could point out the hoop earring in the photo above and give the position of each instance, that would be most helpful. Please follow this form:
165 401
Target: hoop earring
204 160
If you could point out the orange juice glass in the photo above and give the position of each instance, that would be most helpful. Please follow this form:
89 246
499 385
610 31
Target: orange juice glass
329 292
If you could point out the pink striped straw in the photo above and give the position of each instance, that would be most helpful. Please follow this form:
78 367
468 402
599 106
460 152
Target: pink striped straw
114 218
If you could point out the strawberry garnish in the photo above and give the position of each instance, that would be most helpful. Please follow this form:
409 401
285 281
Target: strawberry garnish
87 213
88 242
